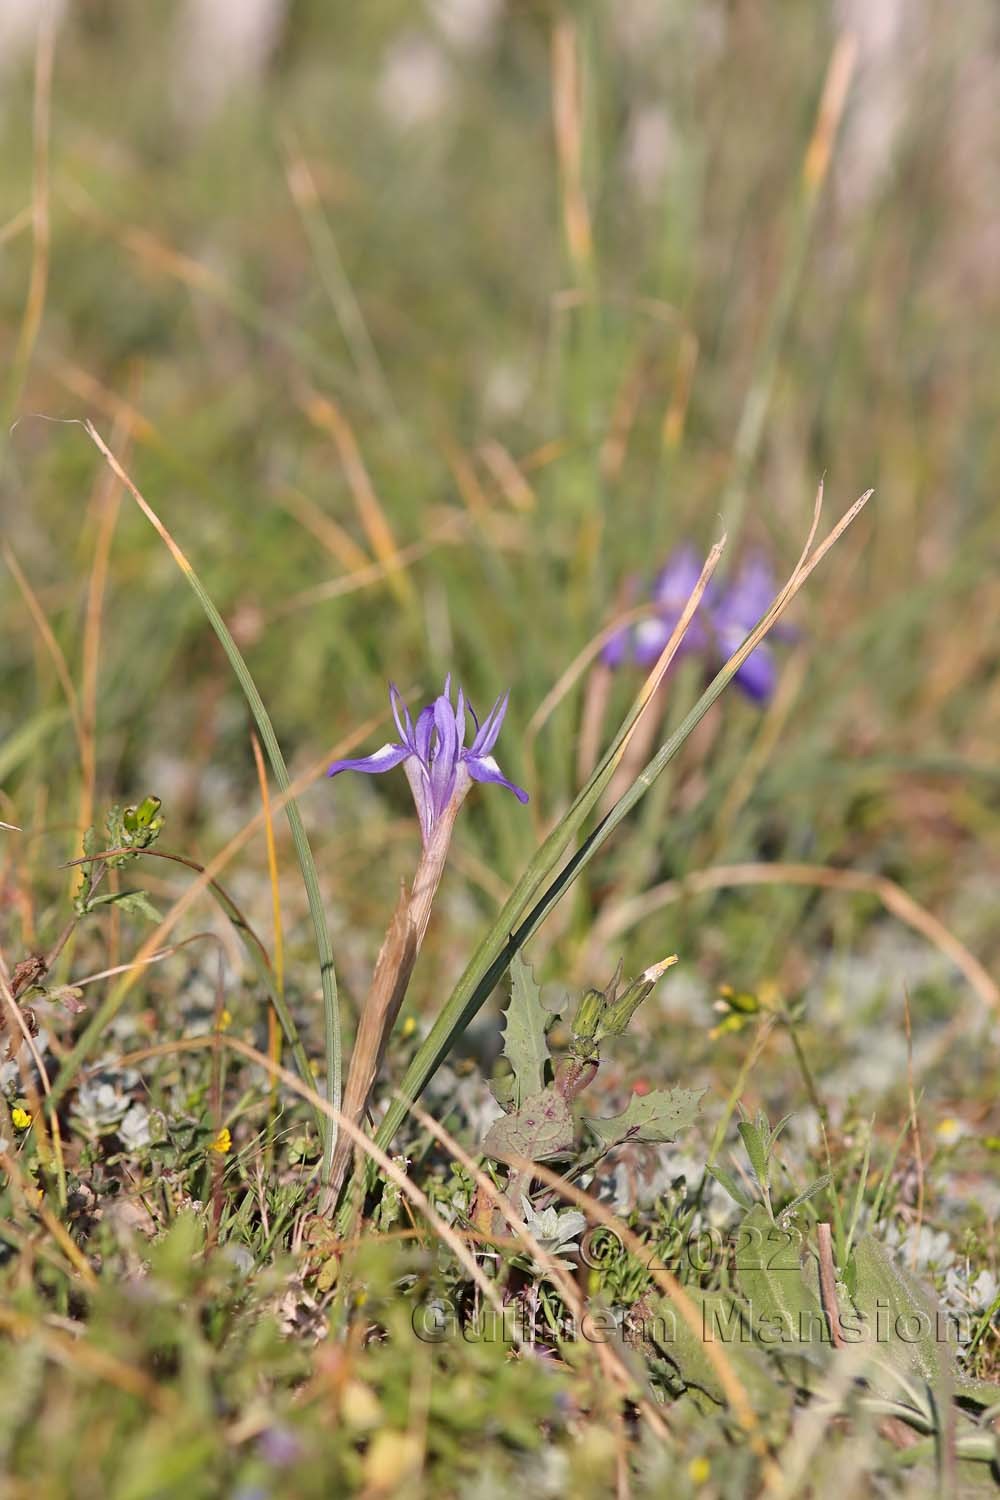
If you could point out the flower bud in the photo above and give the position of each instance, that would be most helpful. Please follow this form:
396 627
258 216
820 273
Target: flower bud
588 1015
619 1012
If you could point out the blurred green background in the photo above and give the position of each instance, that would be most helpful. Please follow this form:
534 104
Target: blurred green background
425 328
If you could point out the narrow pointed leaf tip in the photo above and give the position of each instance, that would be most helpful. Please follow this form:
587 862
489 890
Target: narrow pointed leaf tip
433 753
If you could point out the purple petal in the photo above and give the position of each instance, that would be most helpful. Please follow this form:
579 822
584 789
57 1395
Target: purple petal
749 595
485 768
460 718
373 765
423 733
444 756
420 786
758 675
650 638
404 724
488 733
674 583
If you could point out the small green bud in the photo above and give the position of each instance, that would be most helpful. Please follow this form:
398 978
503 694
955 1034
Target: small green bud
620 1012
588 1015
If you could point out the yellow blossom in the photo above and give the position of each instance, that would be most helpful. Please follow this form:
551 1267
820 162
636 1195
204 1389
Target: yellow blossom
225 1021
699 1470
409 1026
19 1118
223 1142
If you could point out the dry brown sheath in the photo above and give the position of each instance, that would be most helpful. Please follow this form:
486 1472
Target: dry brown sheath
390 980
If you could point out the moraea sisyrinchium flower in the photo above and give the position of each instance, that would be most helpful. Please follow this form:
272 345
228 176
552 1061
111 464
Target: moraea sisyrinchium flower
727 615
434 755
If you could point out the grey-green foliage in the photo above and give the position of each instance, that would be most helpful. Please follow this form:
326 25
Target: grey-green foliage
912 1336
773 1324
524 1041
782 1308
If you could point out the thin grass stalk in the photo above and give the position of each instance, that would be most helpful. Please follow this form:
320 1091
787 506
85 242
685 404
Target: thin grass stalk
273 1030
815 167
322 242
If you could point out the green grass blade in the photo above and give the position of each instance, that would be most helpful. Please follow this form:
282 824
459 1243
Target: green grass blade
859 1197
328 977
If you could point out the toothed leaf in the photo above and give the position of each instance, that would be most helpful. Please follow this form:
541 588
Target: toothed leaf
653 1117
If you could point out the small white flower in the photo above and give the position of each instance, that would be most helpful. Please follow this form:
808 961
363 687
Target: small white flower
556 1232
99 1107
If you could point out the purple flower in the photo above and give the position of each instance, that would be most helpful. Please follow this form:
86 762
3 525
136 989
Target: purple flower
432 753
726 616
671 590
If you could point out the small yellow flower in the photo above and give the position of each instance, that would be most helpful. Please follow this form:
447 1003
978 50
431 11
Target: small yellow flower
409 1026
949 1130
19 1118
225 1021
699 1470
223 1142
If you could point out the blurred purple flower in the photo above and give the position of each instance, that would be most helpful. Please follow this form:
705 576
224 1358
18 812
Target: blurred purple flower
671 590
672 586
726 616
433 753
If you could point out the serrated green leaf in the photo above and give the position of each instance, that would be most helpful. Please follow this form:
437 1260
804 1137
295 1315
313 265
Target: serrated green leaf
653 1117
541 1128
524 1042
